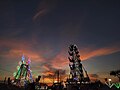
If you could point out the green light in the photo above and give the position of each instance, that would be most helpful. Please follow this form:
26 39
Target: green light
18 67
18 74
14 74
117 85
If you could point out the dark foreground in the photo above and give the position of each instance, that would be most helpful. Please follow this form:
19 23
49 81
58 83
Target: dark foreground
9 87
32 87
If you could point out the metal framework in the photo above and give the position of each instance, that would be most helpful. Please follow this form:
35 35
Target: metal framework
77 71
23 74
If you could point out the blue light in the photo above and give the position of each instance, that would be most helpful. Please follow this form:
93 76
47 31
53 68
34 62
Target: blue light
23 58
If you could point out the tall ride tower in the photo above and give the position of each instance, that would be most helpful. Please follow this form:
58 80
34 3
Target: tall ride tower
77 71
24 73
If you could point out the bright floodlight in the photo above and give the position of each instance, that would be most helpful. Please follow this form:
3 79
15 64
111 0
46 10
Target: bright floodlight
109 80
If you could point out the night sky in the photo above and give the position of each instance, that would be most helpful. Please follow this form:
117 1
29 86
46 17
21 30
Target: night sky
43 30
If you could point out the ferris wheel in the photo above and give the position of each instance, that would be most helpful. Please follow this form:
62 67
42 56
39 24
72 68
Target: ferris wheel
77 70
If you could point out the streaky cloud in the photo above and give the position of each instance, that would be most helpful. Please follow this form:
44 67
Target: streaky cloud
91 52
44 7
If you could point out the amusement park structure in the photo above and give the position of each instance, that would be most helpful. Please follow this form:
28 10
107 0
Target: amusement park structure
23 74
78 74
116 73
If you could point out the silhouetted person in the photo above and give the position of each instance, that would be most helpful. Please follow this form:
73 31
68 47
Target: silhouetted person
5 80
37 84
31 86
45 87
9 81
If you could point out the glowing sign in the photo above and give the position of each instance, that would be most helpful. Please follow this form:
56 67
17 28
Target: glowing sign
109 84
117 85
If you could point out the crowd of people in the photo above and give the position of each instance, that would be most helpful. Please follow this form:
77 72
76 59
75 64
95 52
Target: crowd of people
7 85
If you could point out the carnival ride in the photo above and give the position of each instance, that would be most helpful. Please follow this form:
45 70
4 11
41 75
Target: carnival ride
78 77
77 71
23 74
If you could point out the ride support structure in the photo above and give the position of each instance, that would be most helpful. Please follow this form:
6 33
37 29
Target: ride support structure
77 71
24 73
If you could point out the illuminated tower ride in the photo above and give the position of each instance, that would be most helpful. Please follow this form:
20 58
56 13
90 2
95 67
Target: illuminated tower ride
77 71
24 73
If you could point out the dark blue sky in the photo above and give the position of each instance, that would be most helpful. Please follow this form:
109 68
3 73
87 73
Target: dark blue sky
43 29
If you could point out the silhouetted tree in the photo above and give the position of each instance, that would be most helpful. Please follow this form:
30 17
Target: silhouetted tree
116 73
